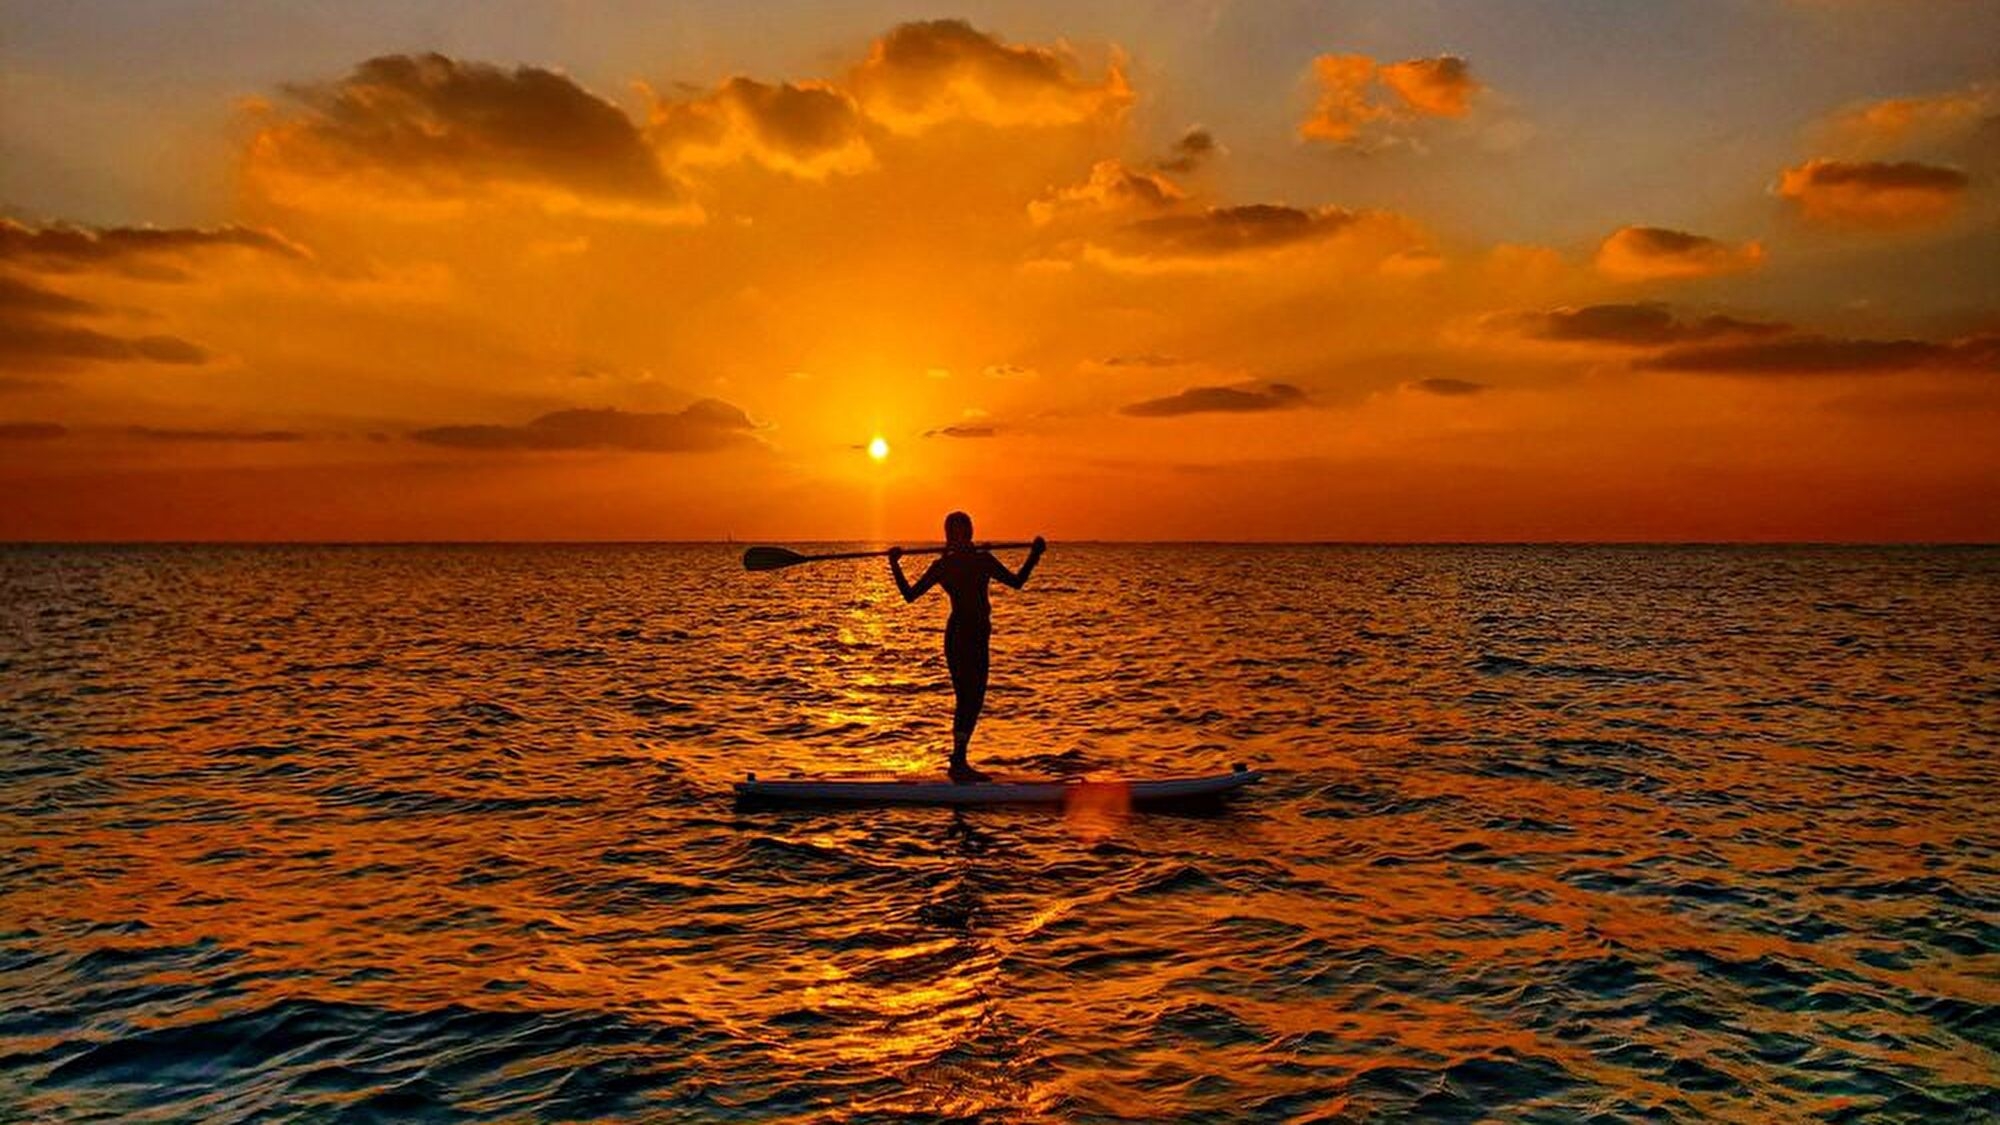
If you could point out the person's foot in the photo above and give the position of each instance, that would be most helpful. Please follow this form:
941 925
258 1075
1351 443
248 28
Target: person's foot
962 773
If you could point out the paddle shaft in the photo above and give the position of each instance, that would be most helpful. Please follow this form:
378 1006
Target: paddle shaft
907 551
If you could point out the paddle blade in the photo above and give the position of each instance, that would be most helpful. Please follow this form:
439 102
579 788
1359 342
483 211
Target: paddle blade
770 558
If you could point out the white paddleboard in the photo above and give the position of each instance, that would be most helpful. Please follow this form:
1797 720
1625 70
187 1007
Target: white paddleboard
1095 794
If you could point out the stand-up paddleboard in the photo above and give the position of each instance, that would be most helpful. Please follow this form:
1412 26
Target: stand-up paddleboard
1095 794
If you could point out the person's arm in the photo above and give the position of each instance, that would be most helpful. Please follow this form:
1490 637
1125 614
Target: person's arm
911 593
1010 578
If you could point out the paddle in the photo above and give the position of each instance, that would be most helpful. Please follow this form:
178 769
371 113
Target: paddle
777 558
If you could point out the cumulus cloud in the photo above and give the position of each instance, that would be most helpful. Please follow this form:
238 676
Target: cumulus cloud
1439 87
149 253
925 73
1873 194
432 126
1112 187
1219 400
1921 121
1222 238
809 130
1231 230
1450 388
1356 94
1818 355
1635 325
707 425
1652 253
1196 147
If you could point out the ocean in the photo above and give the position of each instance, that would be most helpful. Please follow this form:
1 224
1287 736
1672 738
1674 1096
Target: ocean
443 833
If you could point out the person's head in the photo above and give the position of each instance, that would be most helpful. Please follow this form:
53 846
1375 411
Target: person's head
958 528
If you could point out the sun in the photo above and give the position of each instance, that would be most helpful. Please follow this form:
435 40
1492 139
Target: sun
879 448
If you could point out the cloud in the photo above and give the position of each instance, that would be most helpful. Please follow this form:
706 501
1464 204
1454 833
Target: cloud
1873 194
18 298
1651 253
1639 325
963 431
142 252
44 346
229 437
31 431
1344 106
1356 94
1146 359
1112 187
1450 388
39 332
707 425
1926 120
1439 87
1196 147
1234 230
925 73
1226 238
1820 355
1219 400
429 126
810 130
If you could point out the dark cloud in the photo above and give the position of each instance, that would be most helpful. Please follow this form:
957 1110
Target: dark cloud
1230 230
20 299
807 130
31 431
962 431
709 424
234 437
924 73
49 345
440 126
1448 387
1638 325
145 252
1873 194
1195 148
1219 400
1812 355
30 341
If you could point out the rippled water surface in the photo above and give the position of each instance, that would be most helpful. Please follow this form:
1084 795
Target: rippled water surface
412 833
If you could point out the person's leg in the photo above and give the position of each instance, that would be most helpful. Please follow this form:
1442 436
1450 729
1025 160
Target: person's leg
970 686
966 657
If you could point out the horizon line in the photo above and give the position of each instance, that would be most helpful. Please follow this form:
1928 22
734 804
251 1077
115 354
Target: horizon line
1206 542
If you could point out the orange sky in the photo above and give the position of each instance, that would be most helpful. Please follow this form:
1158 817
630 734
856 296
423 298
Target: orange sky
1227 272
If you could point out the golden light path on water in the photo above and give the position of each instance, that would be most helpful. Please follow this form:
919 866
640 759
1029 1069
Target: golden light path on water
426 833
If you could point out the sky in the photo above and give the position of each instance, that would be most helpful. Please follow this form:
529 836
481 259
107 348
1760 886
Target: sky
1419 271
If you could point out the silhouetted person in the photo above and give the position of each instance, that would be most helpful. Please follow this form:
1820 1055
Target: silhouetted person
963 571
